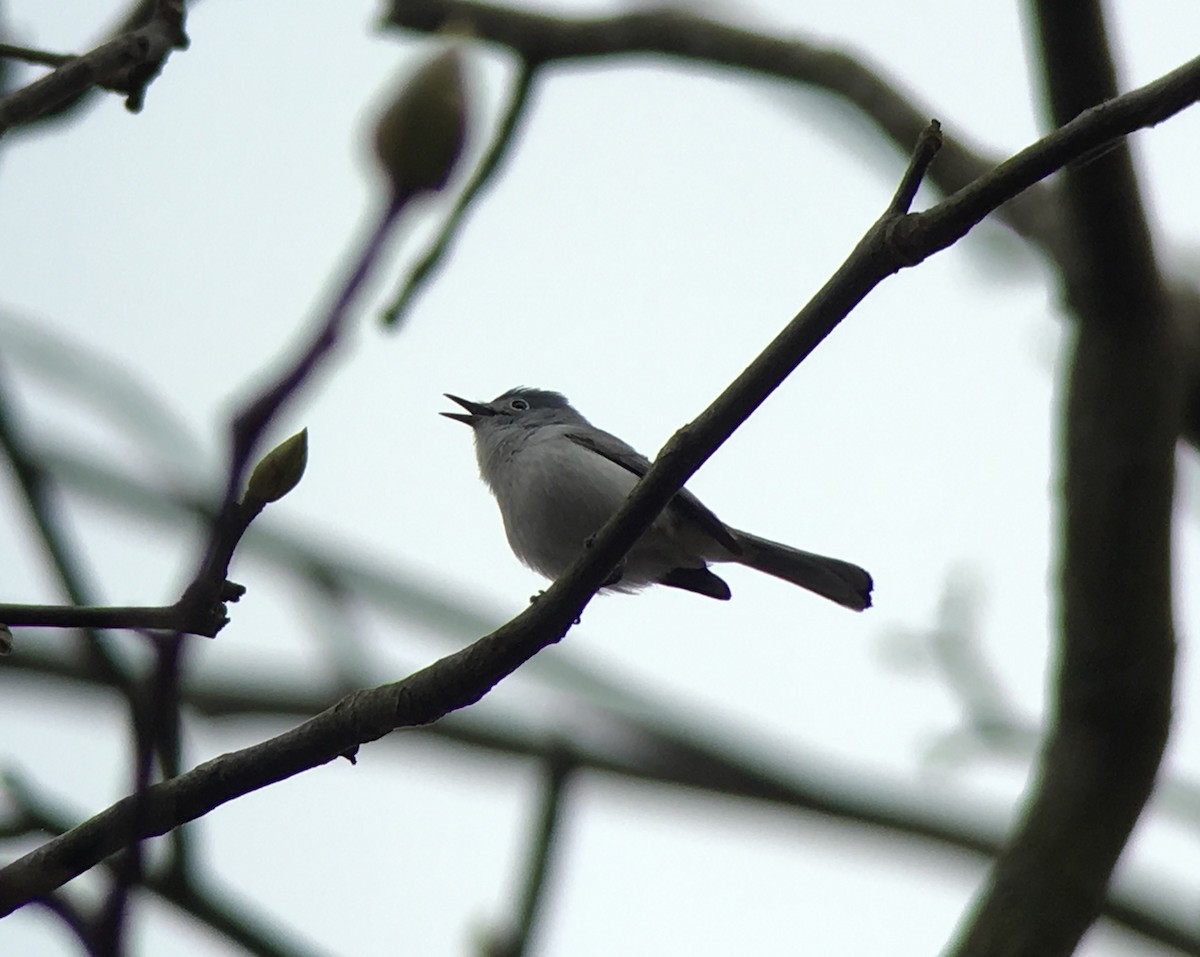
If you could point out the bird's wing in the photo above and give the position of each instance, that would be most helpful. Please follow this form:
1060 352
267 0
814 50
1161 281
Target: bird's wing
613 449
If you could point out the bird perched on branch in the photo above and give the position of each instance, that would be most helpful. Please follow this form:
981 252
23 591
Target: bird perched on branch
557 478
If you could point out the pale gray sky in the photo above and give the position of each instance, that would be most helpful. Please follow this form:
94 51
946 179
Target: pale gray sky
655 227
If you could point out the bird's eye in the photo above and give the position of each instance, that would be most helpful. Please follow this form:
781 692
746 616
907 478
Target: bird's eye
518 405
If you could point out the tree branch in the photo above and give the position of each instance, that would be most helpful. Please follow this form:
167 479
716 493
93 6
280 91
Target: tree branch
542 38
1110 268
1113 692
174 885
498 149
1035 215
37 490
148 617
461 679
12 51
676 749
515 938
125 64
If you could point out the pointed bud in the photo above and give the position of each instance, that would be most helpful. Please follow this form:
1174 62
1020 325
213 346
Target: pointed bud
6 640
420 135
279 471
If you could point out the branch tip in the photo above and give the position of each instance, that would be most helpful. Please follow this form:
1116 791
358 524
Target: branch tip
928 144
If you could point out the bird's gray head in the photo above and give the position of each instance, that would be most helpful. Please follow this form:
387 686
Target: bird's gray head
518 408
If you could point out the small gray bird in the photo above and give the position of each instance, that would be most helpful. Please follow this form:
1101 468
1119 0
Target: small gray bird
557 478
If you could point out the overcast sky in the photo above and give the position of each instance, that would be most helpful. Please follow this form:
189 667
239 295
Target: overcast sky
656 225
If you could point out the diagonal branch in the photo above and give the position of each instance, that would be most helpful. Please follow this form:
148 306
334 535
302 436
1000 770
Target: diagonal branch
200 899
489 164
516 938
540 38
1036 214
36 487
126 64
13 51
461 679
1113 693
674 749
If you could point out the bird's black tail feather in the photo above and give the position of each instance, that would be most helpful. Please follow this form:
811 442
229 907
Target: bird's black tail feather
830 578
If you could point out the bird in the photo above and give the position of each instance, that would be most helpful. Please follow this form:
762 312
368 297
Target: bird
557 479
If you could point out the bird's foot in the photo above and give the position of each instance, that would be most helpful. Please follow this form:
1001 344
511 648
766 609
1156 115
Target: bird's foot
615 576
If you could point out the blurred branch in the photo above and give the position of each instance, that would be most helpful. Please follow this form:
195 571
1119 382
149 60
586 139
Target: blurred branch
1113 694
675 748
332 615
226 914
37 489
66 910
174 885
134 617
514 939
1110 272
125 64
109 389
12 51
460 679
156 729
896 240
251 422
540 38
992 724
502 142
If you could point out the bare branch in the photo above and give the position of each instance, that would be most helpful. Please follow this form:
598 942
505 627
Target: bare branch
12 51
37 489
543 38
1113 693
515 939
463 678
252 421
676 749
499 148
125 64
148 617
203 901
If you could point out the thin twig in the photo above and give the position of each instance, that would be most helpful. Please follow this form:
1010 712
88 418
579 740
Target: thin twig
929 145
673 32
1111 712
676 749
29 55
164 618
126 64
515 939
37 490
500 146
251 422
199 899
463 678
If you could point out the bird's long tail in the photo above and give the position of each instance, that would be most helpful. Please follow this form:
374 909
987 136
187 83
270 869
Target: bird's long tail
830 578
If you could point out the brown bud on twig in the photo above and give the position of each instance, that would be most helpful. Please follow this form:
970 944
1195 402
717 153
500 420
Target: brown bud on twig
6 640
420 135
279 471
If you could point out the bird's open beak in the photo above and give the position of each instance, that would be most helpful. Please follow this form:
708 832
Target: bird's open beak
475 410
